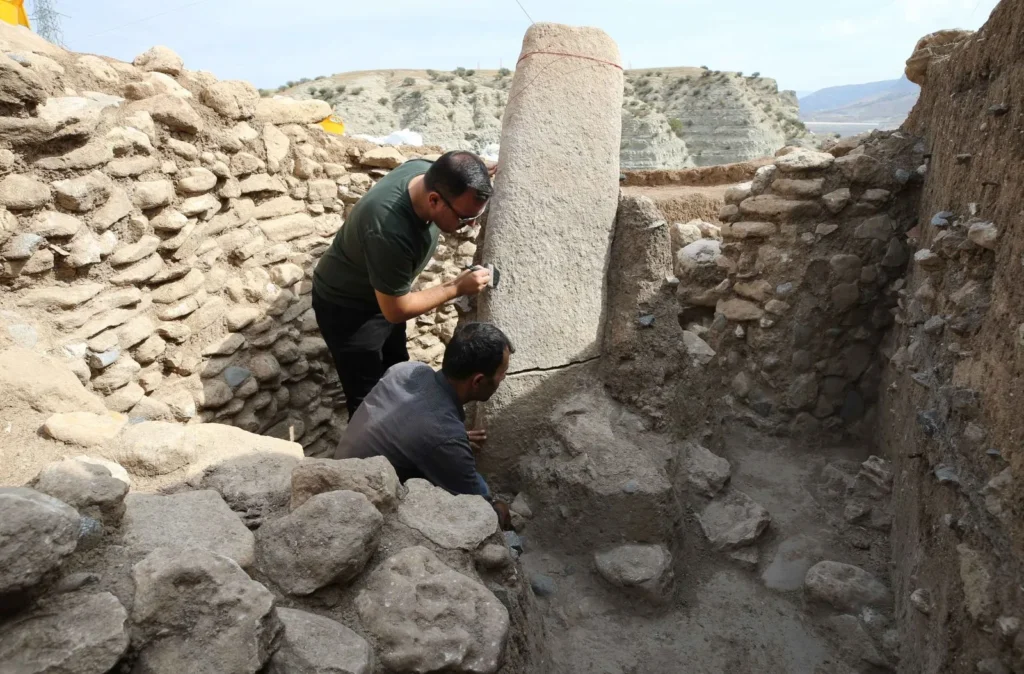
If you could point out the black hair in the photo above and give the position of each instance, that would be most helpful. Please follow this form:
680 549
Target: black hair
475 348
455 172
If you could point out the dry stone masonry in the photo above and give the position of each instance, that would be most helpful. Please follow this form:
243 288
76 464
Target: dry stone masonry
159 231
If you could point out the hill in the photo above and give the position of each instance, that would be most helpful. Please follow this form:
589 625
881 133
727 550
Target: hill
671 117
885 104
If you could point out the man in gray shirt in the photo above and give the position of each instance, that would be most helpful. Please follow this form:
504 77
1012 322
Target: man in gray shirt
414 416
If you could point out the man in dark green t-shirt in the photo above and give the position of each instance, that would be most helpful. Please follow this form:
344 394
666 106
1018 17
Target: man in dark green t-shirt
362 286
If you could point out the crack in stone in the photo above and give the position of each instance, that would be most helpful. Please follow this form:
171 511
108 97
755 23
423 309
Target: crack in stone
553 368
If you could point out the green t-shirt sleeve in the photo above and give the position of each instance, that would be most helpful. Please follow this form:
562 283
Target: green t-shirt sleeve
390 265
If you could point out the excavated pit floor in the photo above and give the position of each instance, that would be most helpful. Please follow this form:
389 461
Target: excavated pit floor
722 617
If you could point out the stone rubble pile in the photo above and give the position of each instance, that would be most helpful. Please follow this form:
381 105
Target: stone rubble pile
94 578
159 230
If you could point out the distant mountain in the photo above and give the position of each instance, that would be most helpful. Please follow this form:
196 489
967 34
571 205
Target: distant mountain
886 104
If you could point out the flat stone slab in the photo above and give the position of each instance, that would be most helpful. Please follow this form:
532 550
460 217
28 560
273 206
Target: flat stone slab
73 633
460 522
195 519
313 644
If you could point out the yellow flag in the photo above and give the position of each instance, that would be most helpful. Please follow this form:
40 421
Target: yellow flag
13 11
333 124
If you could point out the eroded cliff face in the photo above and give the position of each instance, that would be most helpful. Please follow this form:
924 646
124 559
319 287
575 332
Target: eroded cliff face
951 401
672 117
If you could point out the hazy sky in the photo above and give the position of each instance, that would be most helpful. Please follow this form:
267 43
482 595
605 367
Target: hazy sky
804 44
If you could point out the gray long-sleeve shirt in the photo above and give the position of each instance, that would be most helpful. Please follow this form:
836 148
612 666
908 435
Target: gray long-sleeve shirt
413 418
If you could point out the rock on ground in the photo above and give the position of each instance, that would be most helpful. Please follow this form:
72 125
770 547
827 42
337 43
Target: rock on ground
93 486
253 485
374 478
84 428
845 587
645 568
43 384
328 539
853 641
734 521
426 617
312 644
195 519
197 607
74 633
706 472
37 532
450 521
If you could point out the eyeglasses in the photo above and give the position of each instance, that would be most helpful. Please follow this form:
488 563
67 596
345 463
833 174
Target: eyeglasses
464 220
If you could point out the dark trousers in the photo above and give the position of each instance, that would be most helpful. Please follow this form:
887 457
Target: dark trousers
363 344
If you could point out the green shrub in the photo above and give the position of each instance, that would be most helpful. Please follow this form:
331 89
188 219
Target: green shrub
357 90
460 71
757 74
504 72
739 73
432 74
408 82
470 73
383 100
340 89
469 88
416 94
676 125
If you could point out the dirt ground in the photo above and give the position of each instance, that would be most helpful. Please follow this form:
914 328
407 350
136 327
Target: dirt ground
722 617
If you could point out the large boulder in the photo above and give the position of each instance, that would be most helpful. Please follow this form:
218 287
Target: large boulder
456 522
328 539
74 633
40 383
94 487
374 478
426 617
643 569
932 49
198 611
312 644
37 532
194 519
157 447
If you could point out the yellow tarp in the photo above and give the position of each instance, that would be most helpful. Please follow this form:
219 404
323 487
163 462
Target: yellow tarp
333 124
13 11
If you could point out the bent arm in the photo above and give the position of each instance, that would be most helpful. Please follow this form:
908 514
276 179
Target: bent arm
401 308
451 466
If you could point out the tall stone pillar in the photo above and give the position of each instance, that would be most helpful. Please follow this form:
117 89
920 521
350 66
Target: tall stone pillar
550 226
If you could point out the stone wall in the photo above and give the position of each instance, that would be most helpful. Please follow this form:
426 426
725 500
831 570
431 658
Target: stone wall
159 231
952 395
795 298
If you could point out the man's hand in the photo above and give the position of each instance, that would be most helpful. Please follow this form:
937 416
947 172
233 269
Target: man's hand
504 516
471 282
477 438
